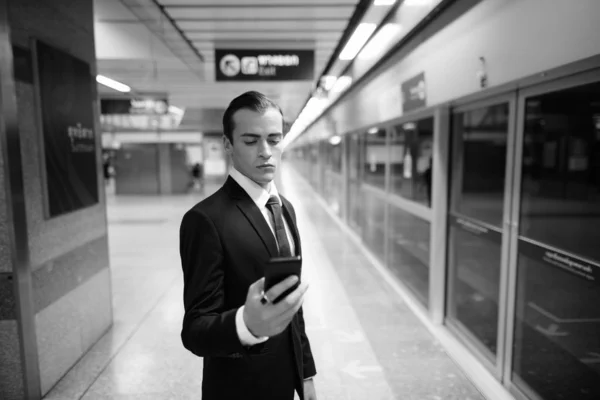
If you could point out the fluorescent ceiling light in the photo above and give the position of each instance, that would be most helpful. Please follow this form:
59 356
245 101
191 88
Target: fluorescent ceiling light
416 2
111 83
358 39
342 84
335 140
175 110
381 41
373 131
383 2
328 82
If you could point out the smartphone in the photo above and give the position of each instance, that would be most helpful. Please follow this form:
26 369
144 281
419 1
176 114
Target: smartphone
279 268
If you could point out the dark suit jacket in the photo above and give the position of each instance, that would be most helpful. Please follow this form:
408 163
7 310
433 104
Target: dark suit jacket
224 244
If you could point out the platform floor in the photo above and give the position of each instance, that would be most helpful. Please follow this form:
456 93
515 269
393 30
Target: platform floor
366 341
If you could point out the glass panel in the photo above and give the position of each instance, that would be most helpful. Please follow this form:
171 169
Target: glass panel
374 224
334 156
560 203
375 157
334 191
355 207
314 165
557 325
479 163
409 243
354 157
474 261
477 186
557 321
411 159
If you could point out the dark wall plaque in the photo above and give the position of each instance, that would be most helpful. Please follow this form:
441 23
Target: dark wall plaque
414 93
66 96
143 105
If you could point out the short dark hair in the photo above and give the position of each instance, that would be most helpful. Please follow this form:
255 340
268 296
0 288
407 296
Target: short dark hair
252 100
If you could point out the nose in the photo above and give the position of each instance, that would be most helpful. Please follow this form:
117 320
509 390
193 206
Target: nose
264 150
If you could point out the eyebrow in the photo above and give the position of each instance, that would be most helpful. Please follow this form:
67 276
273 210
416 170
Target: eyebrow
255 135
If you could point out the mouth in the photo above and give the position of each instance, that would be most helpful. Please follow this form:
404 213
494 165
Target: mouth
266 166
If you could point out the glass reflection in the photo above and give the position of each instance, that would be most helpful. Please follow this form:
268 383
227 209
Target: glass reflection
409 243
479 145
411 160
557 329
479 163
374 224
557 321
333 191
474 260
561 170
375 157
355 207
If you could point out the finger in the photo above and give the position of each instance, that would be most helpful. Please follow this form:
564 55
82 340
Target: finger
257 287
292 302
286 316
282 286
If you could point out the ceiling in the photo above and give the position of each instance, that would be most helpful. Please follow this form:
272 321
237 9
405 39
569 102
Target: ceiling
144 56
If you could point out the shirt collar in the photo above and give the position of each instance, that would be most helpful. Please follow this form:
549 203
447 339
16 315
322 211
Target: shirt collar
257 193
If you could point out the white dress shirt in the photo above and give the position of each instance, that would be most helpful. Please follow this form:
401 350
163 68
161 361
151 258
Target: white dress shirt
260 196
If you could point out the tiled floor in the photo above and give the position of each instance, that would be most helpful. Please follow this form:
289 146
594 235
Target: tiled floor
366 342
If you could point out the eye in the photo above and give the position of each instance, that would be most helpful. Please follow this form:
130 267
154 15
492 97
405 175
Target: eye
274 142
250 142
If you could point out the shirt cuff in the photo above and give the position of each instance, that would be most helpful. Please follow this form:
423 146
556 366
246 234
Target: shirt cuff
245 336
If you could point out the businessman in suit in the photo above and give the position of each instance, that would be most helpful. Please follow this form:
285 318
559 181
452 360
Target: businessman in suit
252 348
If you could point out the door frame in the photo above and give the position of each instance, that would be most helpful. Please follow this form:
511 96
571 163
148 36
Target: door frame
495 366
562 83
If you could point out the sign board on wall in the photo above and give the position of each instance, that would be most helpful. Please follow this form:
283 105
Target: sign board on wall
215 163
69 140
143 105
264 65
414 93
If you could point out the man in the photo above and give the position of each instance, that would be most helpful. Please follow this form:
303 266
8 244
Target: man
252 348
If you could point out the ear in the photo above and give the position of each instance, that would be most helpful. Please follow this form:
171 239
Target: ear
227 145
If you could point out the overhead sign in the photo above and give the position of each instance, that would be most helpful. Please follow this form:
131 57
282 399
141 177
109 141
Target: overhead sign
414 93
264 65
66 96
142 105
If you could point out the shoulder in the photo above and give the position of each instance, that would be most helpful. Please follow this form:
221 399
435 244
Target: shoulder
208 210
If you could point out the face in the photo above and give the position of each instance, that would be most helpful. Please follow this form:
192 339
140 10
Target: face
257 144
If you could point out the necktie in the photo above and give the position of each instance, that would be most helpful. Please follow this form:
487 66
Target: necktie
282 240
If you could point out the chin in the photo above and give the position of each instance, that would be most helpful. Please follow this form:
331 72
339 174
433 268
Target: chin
264 178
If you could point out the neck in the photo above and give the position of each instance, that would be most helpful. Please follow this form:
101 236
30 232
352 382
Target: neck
266 186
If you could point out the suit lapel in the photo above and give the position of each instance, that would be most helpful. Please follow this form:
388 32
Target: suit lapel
257 220
253 215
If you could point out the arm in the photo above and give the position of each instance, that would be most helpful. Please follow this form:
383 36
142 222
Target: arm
208 329
309 368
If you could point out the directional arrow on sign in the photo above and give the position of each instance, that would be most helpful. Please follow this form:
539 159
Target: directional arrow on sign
552 330
355 370
593 359
345 337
